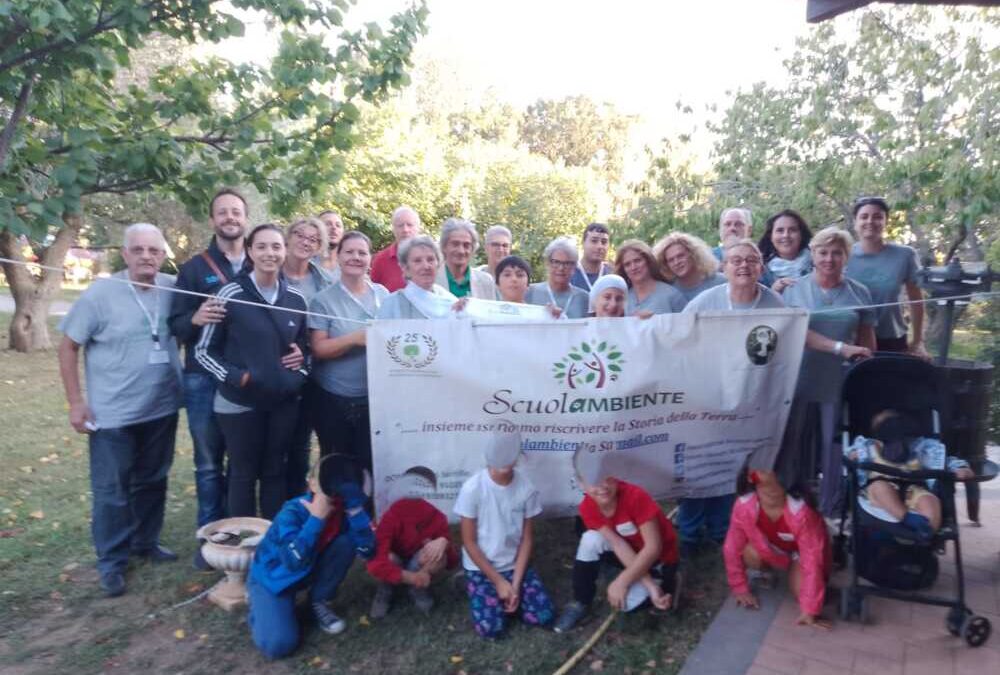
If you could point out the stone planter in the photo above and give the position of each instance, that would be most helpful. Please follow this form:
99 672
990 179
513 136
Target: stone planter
229 547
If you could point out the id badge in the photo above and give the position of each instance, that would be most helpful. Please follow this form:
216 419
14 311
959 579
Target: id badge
158 357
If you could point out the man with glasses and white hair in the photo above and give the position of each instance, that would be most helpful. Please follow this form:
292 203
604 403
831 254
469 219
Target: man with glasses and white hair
133 394
734 224
498 246
459 243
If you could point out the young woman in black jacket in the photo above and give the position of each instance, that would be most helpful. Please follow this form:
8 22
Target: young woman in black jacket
257 352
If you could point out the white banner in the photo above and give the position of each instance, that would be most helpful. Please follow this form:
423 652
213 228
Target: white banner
674 403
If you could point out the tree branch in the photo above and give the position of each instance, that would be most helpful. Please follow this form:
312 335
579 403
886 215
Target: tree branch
7 136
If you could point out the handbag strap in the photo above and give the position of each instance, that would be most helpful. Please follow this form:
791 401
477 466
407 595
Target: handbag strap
215 268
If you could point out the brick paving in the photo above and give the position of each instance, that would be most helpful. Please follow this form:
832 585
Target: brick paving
902 638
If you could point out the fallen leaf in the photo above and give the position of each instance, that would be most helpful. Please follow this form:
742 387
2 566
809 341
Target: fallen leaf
179 634
597 664
37 515
651 663
316 662
194 588
7 534
69 567
27 469
364 620
456 659
63 578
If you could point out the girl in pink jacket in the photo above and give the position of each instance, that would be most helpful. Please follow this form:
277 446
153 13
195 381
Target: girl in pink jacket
772 529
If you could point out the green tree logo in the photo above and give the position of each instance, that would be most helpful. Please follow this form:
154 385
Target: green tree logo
589 364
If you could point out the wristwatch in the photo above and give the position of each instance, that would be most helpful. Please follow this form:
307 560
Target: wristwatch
838 348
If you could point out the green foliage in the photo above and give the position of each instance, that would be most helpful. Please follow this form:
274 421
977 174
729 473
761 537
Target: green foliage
905 105
281 128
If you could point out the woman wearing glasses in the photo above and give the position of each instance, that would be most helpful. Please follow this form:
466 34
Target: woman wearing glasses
886 269
742 264
307 239
687 263
561 257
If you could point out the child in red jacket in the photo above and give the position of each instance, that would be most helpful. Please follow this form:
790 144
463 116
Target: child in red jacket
773 530
412 543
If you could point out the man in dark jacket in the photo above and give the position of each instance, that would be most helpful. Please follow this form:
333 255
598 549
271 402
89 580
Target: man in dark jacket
206 273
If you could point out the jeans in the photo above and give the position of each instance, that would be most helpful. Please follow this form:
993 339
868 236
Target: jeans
128 477
273 625
712 513
209 447
297 465
343 427
257 443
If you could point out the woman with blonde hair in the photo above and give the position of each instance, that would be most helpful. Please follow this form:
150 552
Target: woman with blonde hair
688 264
841 328
648 290
307 238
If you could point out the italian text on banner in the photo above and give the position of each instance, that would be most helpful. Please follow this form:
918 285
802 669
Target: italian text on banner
674 403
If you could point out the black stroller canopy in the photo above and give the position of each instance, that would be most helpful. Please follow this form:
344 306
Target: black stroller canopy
898 382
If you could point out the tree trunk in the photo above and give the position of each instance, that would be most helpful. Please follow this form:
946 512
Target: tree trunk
29 328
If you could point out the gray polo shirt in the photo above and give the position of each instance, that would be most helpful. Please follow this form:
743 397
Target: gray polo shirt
692 292
665 299
573 302
346 375
123 387
820 375
885 273
717 298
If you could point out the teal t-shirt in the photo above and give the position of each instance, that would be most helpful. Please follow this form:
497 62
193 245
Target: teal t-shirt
885 273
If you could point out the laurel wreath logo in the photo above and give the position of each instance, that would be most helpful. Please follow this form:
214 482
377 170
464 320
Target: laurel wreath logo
412 350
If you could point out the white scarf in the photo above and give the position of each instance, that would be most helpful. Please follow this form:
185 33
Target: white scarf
433 304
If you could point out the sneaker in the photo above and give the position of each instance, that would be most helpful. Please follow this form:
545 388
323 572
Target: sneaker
158 554
423 599
327 620
570 616
381 602
113 584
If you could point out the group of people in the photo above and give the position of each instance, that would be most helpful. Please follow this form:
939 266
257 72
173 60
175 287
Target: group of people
273 319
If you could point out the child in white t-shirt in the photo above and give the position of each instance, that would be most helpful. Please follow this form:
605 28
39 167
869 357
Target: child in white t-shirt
497 505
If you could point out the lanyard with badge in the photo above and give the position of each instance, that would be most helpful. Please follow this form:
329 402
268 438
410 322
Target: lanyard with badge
159 355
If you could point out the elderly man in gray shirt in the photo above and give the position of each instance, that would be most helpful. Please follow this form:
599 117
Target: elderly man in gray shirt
133 394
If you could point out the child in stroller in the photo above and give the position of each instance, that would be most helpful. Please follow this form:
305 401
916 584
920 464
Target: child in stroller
897 443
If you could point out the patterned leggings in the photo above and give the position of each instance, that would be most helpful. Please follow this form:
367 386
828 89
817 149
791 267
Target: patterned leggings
488 617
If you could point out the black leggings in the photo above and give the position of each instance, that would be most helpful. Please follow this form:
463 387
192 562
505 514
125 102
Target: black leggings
343 427
585 576
257 442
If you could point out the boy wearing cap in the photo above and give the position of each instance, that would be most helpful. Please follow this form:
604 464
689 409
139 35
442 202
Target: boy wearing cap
497 506
311 543
625 528
412 543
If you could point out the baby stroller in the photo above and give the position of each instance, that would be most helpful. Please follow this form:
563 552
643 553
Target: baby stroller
887 558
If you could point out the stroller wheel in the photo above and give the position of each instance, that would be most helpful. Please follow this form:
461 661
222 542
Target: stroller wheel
864 610
976 630
845 604
956 617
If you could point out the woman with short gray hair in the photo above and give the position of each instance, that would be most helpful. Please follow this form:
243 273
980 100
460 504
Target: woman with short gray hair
556 292
498 241
459 243
421 298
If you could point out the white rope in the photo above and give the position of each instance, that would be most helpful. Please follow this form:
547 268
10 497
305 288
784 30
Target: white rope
194 293
965 297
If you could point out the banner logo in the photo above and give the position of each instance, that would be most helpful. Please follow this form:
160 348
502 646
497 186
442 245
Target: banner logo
762 341
412 350
589 365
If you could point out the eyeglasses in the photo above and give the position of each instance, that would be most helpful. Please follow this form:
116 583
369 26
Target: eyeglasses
737 261
502 245
563 264
307 237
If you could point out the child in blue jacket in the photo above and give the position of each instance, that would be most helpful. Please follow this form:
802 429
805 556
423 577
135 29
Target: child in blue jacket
311 543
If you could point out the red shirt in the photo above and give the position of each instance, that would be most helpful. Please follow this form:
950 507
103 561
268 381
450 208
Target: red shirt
635 508
777 532
403 530
386 269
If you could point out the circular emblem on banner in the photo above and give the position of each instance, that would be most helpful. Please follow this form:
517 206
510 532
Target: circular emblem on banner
590 364
761 343
412 350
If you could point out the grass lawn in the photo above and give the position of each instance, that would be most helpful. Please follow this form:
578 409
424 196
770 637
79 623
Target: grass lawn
54 619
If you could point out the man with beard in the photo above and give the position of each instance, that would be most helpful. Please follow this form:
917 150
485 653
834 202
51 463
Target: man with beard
335 232
206 273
